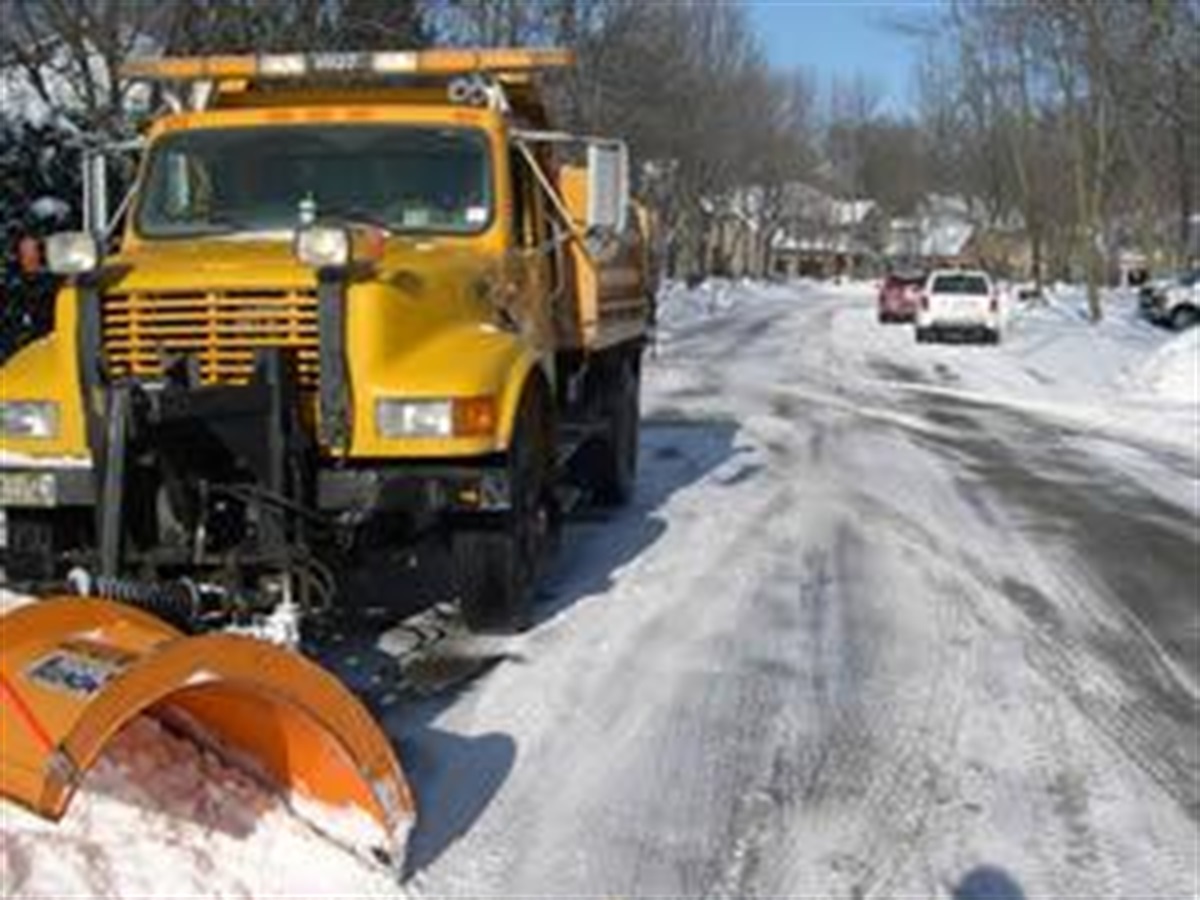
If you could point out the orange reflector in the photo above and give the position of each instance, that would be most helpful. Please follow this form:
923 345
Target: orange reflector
369 243
474 416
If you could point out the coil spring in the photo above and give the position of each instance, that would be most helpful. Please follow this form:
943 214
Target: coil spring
177 601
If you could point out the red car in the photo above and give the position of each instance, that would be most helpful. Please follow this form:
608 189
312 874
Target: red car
900 295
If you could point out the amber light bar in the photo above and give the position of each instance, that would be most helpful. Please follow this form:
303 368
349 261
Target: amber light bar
301 65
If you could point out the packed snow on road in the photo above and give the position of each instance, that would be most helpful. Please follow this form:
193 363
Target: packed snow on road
884 620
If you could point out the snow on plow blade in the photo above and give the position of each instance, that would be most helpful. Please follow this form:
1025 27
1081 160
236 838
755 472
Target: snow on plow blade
74 671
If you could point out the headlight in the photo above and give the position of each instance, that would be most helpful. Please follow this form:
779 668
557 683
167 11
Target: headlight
457 417
72 253
322 247
28 419
414 418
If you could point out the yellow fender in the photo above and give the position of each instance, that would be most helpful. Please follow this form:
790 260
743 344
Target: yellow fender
74 671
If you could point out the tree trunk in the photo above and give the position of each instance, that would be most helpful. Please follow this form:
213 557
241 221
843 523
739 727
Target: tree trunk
1035 252
1184 166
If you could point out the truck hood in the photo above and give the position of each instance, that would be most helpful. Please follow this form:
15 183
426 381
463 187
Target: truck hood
410 265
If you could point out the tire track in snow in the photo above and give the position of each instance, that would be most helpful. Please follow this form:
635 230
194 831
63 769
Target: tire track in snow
1071 837
1157 744
794 762
871 766
916 762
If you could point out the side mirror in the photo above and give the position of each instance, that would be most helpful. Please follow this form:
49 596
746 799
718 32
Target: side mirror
29 256
95 192
608 186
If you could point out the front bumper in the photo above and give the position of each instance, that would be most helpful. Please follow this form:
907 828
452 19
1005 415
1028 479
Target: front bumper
34 493
898 312
974 331
413 488
32 487
963 323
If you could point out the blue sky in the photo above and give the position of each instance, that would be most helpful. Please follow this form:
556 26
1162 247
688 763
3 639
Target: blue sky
841 37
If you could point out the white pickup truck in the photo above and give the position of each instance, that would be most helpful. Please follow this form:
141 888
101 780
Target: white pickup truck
959 302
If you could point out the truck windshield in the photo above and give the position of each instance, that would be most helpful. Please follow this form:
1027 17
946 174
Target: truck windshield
229 180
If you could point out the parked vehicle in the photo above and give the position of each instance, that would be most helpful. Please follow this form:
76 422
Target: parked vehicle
959 302
362 301
898 296
1174 302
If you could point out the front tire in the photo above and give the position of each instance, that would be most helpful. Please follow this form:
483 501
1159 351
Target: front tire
39 542
498 564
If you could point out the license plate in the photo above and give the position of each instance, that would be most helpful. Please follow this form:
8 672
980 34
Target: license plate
28 489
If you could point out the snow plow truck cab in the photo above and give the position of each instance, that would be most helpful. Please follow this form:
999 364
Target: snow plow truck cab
353 301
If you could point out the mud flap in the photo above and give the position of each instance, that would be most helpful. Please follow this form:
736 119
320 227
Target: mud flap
74 671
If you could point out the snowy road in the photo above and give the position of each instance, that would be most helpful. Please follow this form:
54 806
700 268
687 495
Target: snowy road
860 635
884 620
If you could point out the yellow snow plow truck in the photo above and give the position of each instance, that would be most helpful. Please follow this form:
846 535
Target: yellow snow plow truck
357 302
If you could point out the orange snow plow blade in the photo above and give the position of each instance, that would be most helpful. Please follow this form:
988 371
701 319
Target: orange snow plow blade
74 671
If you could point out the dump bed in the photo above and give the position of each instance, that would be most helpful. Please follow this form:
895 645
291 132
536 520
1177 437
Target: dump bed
613 285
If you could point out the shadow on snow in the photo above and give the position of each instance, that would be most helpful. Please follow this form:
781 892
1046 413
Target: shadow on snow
454 777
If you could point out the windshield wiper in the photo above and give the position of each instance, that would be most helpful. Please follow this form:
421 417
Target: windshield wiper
214 225
355 216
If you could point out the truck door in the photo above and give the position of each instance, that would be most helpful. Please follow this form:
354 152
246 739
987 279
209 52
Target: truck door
536 269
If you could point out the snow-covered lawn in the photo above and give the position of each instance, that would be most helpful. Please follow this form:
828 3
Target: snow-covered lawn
1122 376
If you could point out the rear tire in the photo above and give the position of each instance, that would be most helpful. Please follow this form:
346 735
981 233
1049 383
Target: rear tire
613 475
1184 317
497 566
922 335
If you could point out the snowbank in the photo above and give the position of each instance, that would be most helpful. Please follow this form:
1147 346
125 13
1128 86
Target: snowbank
1122 376
680 306
9 600
1173 371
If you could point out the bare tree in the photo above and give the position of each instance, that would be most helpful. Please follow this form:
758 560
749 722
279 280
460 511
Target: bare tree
69 52
1095 111
853 104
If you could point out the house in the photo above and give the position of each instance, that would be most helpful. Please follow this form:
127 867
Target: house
821 236
939 233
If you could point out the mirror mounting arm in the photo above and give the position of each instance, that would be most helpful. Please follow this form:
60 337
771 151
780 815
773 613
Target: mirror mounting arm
599 150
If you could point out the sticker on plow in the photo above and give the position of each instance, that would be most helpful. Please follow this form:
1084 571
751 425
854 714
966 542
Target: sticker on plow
78 668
